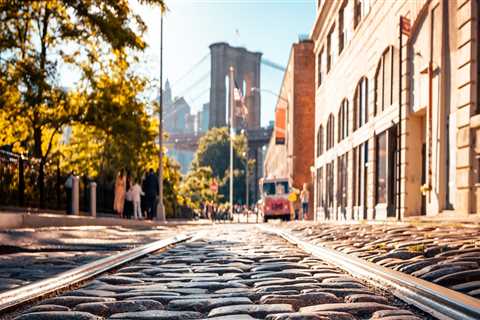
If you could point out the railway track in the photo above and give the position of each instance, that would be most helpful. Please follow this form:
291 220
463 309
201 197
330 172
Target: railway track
438 301
15 298
234 272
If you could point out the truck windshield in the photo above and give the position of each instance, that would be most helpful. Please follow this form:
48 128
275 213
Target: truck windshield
269 188
272 188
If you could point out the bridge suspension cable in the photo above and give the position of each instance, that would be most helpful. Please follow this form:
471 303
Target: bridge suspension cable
189 71
272 64
196 83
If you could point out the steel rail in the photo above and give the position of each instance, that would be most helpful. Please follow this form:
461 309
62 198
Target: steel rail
14 298
438 301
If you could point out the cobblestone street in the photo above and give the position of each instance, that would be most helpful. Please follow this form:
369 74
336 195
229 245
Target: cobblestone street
445 254
27 255
230 272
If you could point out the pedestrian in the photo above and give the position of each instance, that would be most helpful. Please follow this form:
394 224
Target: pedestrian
128 207
304 197
68 191
120 190
151 192
143 201
292 199
137 192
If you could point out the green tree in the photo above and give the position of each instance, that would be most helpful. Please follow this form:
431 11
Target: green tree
214 153
36 39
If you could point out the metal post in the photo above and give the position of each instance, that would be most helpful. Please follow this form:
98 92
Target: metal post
75 195
93 199
231 85
399 187
160 207
247 173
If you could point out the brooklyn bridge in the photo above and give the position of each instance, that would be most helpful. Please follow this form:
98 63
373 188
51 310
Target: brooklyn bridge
185 129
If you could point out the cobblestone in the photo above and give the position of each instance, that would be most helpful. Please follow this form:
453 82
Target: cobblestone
36 254
438 253
234 272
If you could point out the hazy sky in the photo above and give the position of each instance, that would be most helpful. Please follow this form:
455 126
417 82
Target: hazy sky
190 26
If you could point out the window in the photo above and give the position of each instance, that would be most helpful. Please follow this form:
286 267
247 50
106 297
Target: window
329 182
385 84
330 49
360 104
320 141
343 120
320 199
381 167
360 174
360 9
320 67
342 180
341 28
357 12
330 131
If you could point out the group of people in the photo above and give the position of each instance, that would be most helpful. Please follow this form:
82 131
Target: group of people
303 196
135 198
214 211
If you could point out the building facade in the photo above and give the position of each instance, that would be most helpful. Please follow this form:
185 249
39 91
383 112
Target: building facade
397 114
290 152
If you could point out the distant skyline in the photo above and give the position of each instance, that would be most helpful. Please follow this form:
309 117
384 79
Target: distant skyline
190 26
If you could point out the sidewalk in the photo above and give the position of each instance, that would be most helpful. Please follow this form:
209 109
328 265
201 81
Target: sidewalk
16 218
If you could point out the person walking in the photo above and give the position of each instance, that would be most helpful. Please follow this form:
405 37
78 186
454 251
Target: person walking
137 192
68 191
128 207
151 192
304 197
120 190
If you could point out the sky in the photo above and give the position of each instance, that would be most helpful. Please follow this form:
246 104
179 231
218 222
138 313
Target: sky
190 26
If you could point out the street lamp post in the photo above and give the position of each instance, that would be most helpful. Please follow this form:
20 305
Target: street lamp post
231 132
160 207
247 173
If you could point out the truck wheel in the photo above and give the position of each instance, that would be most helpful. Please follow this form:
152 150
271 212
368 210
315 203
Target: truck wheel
265 219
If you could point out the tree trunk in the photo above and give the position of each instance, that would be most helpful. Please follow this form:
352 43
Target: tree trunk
37 135
41 183
21 183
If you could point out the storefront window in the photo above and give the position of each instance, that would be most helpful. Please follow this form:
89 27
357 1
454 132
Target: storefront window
381 168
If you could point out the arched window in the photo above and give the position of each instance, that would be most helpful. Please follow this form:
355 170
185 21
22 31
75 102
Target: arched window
320 141
343 120
386 80
360 104
330 131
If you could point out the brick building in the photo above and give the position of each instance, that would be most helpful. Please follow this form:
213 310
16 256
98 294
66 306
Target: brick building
359 100
291 149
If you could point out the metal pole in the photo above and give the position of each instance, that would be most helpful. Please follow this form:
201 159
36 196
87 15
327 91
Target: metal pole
399 204
231 85
160 207
247 173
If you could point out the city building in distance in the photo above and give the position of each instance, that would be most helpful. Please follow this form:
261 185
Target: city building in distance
290 152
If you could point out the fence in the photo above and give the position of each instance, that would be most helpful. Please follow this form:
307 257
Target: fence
19 185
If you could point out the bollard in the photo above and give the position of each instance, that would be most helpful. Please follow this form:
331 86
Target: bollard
75 195
93 199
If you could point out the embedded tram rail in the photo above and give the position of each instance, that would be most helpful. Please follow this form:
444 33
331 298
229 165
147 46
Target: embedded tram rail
17 297
438 301
234 272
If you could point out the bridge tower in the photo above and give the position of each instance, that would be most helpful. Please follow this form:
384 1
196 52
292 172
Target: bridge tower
247 76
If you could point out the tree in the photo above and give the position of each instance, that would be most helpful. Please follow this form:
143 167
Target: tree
195 188
36 38
214 153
